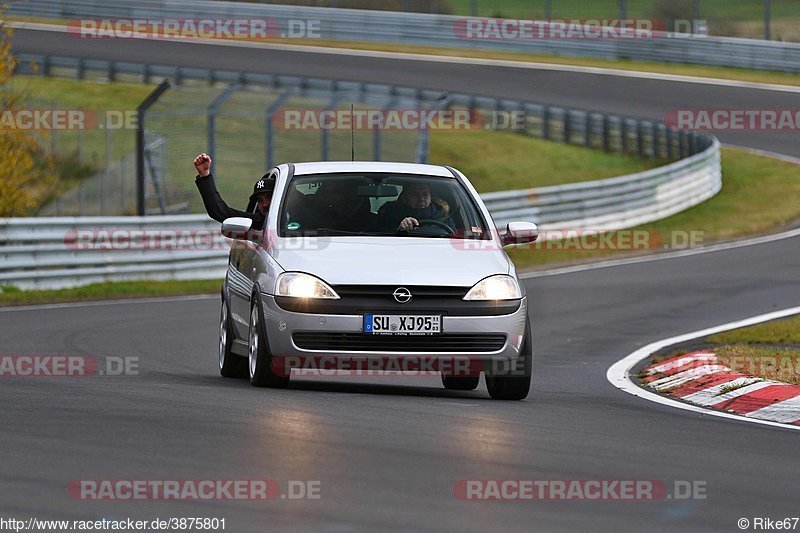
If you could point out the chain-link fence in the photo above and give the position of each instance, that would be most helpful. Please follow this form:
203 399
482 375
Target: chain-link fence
249 122
245 131
244 128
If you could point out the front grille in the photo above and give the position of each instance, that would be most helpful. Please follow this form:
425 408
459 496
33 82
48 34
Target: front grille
358 342
419 291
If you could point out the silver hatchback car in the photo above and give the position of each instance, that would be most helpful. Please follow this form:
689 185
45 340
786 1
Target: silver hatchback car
376 265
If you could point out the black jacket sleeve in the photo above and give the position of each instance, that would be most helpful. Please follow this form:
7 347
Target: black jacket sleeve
216 206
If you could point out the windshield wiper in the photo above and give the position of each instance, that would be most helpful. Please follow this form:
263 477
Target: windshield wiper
429 235
332 231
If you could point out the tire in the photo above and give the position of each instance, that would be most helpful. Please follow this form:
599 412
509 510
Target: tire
259 358
460 383
503 385
230 364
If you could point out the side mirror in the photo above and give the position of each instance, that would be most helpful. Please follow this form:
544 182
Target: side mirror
520 233
238 228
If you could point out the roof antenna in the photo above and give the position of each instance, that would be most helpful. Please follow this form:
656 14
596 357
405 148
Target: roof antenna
352 135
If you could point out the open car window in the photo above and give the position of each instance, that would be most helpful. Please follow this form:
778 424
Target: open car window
375 203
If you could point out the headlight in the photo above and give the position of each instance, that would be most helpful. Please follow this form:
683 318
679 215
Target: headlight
499 287
299 285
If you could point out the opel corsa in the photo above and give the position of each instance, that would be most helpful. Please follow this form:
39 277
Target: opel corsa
361 261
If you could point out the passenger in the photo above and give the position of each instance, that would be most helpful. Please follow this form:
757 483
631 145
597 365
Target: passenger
219 210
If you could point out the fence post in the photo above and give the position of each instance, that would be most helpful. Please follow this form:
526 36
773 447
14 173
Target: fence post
767 20
682 144
377 147
423 148
211 118
80 146
654 136
269 145
546 122
325 134
141 112
670 141
623 135
640 138
567 126
587 130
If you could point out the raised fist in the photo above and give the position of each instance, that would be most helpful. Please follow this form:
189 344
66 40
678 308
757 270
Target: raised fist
203 164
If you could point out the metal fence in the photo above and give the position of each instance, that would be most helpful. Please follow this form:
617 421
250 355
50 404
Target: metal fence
42 253
237 115
438 30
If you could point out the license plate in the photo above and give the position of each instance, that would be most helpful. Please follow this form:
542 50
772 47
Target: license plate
402 324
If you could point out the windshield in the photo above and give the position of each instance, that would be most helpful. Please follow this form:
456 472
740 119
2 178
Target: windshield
380 205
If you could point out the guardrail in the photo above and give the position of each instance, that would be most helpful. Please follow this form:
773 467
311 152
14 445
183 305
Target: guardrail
39 253
43 253
615 203
437 30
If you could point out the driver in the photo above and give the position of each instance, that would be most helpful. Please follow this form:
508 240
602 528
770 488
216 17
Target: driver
414 204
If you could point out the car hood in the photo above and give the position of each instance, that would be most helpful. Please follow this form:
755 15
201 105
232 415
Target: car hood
392 260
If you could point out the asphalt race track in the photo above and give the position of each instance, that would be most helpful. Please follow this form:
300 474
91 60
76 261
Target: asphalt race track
388 451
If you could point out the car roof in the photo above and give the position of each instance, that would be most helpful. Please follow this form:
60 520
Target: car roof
335 167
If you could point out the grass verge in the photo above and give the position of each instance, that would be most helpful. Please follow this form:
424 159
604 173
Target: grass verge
784 331
10 296
769 351
501 160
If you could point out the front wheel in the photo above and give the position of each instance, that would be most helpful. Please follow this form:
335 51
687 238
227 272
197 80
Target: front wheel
259 358
513 383
230 364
